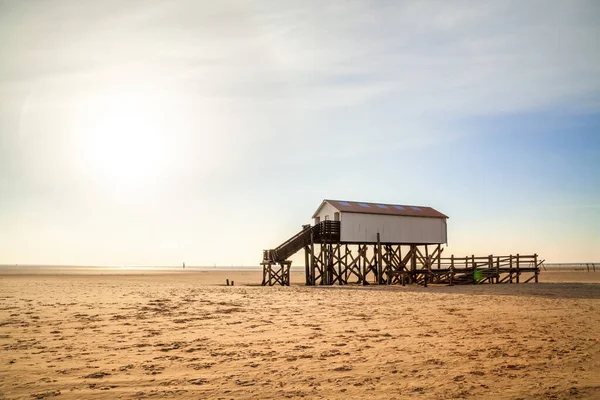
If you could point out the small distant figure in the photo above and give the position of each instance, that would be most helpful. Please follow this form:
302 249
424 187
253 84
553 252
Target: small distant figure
184 265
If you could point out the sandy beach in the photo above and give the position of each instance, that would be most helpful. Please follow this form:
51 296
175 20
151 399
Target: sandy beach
186 335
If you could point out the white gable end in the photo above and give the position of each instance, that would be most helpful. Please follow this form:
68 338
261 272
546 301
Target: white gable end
327 212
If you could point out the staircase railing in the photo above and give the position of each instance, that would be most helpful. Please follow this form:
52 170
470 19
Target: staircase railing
325 231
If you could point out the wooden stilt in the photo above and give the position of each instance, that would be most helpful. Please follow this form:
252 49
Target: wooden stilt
518 268
315 267
379 261
270 275
452 270
341 279
413 262
497 269
307 266
328 262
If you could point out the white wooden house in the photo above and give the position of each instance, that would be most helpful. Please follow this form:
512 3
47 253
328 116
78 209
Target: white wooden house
360 222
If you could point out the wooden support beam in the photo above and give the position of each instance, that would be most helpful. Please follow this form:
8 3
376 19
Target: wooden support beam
324 274
427 266
307 266
328 262
497 269
313 275
379 273
452 270
413 261
264 277
270 272
518 268
341 279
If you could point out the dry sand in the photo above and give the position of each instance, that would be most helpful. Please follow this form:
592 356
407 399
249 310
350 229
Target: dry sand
182 336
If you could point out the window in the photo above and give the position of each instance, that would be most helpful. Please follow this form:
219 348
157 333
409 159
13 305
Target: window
344 203
336 216
416 208
317 220
399 208
364 205
381 206
327 218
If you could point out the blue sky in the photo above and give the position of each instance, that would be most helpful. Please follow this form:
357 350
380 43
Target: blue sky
158 132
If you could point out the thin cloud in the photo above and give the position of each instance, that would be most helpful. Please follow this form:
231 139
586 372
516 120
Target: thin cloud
433 58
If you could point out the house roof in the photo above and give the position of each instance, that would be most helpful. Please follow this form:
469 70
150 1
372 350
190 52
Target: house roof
381 208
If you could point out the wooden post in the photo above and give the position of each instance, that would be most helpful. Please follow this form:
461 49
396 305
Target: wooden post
341 280
413 262
359 265
510 269
537 269
270 275
452 270
331 262
379 268
323 248
474 266
307 266
346 272
427 267
400 265
313 268
518 268
324 265
363 256
497 269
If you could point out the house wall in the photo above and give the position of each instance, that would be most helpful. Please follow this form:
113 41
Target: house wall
363 228
327 211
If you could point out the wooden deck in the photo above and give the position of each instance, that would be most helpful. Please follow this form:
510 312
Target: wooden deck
328 261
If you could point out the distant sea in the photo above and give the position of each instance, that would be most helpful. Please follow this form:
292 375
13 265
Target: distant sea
86 269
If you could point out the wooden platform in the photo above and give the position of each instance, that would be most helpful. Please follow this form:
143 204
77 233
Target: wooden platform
389 264
328 261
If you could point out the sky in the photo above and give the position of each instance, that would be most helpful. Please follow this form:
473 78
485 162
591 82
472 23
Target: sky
157 132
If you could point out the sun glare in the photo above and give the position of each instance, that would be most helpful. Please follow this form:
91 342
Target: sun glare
123 141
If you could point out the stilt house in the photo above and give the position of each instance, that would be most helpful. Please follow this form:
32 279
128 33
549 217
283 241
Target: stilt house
360 222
